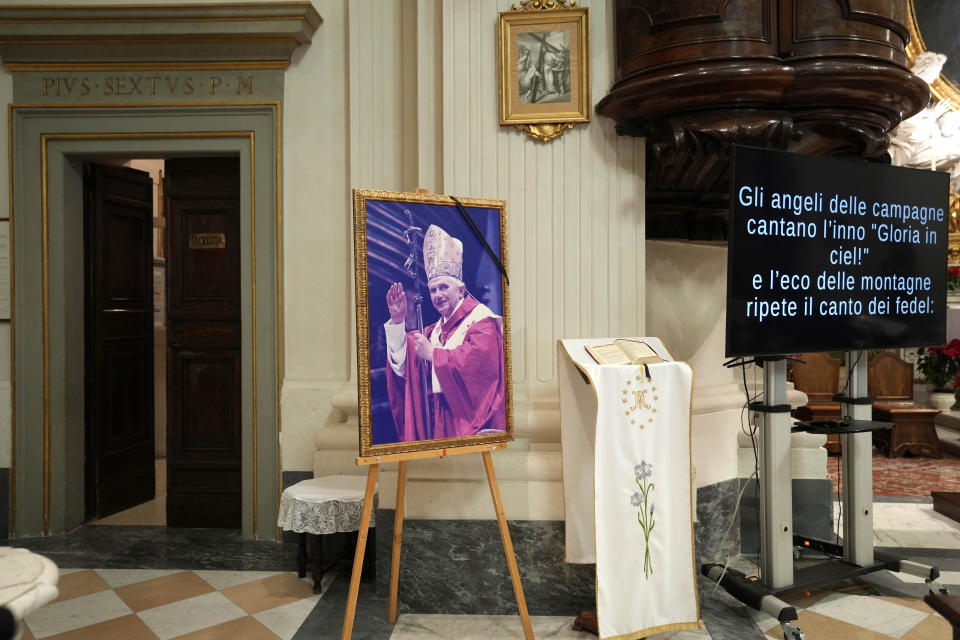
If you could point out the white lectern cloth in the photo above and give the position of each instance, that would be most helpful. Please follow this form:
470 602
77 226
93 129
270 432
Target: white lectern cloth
634 516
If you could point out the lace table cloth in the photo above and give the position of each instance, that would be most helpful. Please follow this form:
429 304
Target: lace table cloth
331 504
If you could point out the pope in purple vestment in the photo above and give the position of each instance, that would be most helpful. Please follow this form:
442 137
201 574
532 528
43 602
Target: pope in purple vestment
462 354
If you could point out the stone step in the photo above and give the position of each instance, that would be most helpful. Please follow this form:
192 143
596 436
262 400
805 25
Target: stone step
948 420
947 503
949 441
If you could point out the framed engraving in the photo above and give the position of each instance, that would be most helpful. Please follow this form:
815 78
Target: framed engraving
433 312
544 65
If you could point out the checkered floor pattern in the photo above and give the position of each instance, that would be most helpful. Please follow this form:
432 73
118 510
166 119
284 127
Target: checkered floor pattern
856 612
147 604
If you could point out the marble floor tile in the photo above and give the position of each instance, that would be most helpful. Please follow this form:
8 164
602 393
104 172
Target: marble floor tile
122 577
158 592
190 615
763 621
476 627
911 525
75 613
124 628
242 628
80 583
817 627
877 615
951 578
912 603
933 628
470 627
284 621
275 591
220 580
909 476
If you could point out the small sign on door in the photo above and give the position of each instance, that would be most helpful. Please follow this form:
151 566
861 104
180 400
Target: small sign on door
208 241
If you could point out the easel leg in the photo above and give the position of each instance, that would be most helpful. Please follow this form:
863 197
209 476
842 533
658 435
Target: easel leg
397 535
508 546
358 554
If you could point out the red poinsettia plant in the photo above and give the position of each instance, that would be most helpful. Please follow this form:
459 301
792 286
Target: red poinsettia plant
940 366
953 278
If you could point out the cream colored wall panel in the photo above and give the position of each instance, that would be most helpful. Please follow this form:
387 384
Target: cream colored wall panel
429 113
575 204
6 415
316 204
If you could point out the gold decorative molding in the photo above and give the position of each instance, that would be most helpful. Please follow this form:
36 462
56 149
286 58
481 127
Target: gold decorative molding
953 237
543 5
107 32
545 132
942 90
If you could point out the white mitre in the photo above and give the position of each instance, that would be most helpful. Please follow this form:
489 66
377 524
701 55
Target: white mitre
442 254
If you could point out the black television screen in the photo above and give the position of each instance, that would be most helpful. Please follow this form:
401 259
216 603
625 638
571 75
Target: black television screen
827 254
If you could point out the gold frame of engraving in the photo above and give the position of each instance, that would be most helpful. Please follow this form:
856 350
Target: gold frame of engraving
544 121
942 89
367 449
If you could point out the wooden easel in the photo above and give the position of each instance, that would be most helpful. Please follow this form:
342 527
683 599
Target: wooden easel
374 463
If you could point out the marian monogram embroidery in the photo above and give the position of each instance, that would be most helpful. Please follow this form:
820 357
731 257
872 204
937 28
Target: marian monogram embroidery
639 400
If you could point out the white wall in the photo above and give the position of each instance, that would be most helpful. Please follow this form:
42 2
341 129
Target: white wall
6 413
399 94
575 212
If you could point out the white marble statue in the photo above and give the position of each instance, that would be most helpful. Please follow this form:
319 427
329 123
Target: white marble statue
931 138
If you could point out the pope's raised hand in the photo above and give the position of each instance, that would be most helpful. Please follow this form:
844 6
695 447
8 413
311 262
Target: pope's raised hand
397 303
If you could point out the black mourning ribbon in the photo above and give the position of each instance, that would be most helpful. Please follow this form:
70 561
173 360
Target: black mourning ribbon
476 232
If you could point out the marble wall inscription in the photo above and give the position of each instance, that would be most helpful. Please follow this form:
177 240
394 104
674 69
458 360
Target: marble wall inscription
121 86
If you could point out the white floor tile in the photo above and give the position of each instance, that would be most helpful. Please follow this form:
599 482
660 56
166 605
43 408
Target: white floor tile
286 620
220 580
910 524
122 577
75 613
946 578
179 618
877 615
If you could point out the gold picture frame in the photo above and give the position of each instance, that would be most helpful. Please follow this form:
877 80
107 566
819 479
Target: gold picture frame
943 90
389 232
544 67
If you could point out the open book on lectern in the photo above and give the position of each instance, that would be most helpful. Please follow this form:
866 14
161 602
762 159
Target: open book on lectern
623 351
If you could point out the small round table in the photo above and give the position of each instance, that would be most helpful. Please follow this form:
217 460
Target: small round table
324 506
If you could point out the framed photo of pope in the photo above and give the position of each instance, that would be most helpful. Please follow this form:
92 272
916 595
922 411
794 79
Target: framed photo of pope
433 346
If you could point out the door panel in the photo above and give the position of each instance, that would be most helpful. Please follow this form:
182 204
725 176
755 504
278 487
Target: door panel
118 260
203 333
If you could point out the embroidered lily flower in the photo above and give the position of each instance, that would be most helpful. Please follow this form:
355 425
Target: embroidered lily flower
635 499
643 470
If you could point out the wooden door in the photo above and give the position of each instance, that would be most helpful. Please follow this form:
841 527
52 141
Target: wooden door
203 341
118 278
